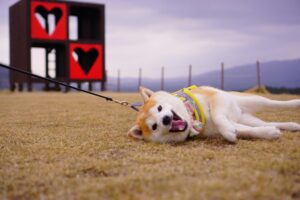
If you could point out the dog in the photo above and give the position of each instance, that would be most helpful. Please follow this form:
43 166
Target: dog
166 117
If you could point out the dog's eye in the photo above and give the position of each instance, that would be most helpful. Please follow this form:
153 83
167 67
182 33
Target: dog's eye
154 127
159 108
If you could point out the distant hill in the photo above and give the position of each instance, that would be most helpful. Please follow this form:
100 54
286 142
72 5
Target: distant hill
275 74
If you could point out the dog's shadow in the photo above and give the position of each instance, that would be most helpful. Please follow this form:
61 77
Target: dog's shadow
195 141
217 141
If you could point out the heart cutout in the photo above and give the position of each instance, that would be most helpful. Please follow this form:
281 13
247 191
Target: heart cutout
48 19
85 59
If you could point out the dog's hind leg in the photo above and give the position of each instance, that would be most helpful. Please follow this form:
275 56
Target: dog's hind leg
267 132
250 120
253 103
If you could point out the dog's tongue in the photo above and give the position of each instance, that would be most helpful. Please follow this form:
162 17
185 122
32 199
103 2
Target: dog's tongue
178 125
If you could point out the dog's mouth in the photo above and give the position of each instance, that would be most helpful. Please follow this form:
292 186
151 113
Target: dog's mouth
178 124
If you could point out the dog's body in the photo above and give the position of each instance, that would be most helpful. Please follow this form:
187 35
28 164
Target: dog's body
165 118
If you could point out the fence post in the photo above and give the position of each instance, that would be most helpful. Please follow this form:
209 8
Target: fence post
119 81
162 78
140 78
258 74
90 83
222 76
190 75
103 84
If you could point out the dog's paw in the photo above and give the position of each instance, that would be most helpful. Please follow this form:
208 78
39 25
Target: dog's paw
292 126
230 137
271 133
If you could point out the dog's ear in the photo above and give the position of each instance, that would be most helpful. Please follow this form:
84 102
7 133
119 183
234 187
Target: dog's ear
146 93
135 132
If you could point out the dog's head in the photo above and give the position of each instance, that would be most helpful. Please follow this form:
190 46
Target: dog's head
162 118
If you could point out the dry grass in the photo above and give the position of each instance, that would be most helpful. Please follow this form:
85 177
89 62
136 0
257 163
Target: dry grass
74 146
258 90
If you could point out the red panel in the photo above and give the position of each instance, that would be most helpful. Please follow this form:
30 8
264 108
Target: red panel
57 9
92 69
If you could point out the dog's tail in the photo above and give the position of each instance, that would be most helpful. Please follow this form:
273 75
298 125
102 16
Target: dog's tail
254 103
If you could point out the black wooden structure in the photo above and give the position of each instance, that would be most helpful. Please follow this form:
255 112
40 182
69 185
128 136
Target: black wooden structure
80 59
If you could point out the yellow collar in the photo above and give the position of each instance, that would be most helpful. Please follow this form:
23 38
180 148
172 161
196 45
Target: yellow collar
189 98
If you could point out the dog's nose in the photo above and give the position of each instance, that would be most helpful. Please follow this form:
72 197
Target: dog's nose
166 120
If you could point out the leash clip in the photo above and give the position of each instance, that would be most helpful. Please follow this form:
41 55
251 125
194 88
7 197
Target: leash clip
134 106
123 103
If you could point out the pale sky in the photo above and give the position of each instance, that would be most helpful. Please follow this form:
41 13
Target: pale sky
176 33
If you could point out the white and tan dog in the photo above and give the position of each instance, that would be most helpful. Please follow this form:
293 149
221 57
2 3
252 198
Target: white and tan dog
165 117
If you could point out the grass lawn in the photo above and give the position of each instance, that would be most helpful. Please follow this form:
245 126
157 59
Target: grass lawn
74 146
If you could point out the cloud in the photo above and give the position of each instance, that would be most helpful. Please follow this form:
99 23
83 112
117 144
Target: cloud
174 43
201 33
4 47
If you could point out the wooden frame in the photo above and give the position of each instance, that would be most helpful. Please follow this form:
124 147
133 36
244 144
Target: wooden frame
26 32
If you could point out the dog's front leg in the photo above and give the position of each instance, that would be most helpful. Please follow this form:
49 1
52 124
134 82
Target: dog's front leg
225 127
221 108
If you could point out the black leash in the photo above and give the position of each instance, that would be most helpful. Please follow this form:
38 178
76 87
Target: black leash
123 103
